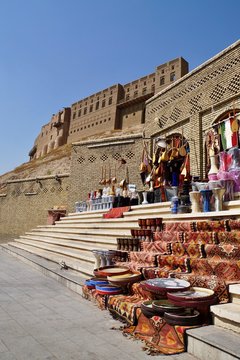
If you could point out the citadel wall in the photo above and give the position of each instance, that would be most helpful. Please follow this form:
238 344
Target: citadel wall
191 104
52 135
118 107
24 203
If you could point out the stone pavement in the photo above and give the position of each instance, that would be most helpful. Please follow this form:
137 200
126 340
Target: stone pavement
42 319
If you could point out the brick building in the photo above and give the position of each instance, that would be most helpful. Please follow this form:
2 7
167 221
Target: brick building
121 106
115 108
52 135
191 105
197 102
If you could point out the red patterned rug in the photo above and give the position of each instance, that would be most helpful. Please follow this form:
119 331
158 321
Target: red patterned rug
161 247
168 236
158 336
116 212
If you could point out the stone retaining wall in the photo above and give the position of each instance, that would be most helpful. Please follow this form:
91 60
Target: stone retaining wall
24 203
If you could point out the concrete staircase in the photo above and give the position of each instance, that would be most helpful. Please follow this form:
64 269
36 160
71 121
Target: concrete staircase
74 237
220 341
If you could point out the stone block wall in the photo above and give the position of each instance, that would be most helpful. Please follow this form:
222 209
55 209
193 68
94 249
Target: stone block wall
24 203
90 158
193 103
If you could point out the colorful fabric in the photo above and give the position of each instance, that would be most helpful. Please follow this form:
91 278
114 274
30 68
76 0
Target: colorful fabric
178 226
161 247
167 264
225 270
190 249
116 212
232 237
208 225
223 251
141 292
211 282
93 296
234 224
124 307
228 138
200 237
158 336
168 236
143 257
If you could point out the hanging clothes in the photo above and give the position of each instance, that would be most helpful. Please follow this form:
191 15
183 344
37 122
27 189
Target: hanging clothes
229 138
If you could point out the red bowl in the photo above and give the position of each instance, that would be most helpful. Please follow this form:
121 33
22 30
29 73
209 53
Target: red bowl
193 294
106 271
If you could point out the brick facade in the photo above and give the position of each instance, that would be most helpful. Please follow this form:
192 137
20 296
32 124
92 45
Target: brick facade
24 203
190 105
52 135
194 102
91 157
118 107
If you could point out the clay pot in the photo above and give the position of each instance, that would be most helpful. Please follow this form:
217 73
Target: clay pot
147 309
188 317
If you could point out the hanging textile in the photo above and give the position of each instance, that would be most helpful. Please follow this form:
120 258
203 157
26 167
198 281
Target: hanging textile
234 133
229 138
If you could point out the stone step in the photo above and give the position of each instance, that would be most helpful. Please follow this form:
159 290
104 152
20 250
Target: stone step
87 232
70 278
87 214
81 236
227 316
70 243
56 249
234 290
97 224
83 270
213 343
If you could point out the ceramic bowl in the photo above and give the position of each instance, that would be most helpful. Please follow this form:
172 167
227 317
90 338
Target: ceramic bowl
166 306
97 281
108 289
160 286
125 279
193 294
188 317
89 285
147 309
106 271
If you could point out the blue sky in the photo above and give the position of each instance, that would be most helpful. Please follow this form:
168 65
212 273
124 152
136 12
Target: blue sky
55 52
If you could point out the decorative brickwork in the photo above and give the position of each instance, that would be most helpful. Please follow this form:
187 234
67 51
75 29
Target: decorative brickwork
90 158
193 103
27 201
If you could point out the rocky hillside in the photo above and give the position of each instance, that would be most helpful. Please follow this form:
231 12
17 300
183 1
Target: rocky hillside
56 162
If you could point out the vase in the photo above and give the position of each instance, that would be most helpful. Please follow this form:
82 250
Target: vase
109 256
212 174
102 258
144 198
97 259
151 186
195 200
218 195
206 195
